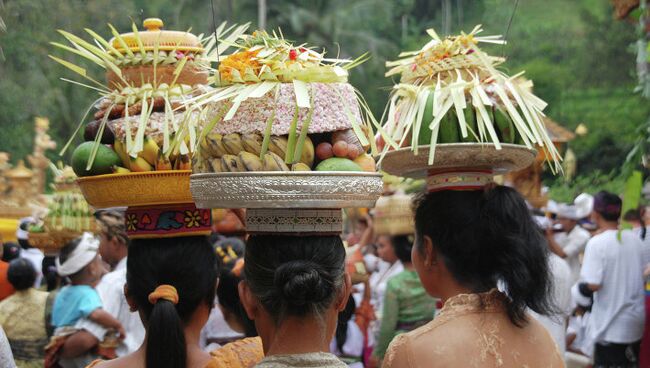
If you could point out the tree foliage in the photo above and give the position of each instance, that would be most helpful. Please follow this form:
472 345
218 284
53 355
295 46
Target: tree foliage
577 55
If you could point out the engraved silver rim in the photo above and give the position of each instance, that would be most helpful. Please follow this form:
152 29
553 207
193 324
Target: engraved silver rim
286 189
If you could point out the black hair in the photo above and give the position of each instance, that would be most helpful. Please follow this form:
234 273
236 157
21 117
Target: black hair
21 274
296 276
24 243
10 251
402 245
486 237
228 295
52 278
608 205
342 324
187 263
636 215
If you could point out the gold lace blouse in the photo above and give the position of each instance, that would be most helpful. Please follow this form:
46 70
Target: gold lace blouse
473 330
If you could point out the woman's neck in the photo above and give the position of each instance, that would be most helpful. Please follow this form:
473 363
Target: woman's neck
291 337
408 266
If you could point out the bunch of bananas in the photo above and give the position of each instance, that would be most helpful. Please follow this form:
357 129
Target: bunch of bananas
69 211
243 152
151 158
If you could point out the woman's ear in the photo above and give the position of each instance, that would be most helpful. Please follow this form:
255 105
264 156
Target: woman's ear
430 253
248 300
345 293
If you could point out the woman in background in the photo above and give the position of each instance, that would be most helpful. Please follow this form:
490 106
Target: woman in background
407 305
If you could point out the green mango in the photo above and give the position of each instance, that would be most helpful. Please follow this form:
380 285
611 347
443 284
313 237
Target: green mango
449 130
104 161
338 164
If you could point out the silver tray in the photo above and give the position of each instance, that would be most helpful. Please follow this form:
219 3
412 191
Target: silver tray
511 157
276 189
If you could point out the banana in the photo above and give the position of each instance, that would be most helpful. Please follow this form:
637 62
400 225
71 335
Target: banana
299 166
149 151
233 144
273 162
163 163
505 126
200 165
215 165
139 164
183 163
307 155
120 170
252 142
470 120
251 161
232 163
278 145
448 132
120 148
215 145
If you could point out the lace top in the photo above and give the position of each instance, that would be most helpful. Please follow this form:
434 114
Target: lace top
244 353
473 330
321 360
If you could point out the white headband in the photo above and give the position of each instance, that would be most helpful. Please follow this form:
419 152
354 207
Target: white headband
85 252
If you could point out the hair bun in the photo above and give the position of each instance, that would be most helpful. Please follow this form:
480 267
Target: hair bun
301 283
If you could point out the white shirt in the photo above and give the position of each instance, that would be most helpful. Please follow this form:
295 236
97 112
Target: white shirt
353 346
573 243
216 329
578 326
378 282
6 358
111 292
618 312
35 256
556 324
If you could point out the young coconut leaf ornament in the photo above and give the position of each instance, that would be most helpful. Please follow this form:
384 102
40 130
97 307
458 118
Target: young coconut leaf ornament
451 91
274 89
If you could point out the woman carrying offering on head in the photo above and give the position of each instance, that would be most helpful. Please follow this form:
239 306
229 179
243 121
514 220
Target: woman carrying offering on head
171 283
294 288
470 244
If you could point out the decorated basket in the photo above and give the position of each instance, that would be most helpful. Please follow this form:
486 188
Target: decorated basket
285 136
458 121
393 215
51 242
137 189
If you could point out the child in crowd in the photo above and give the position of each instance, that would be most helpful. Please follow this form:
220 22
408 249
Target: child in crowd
80 262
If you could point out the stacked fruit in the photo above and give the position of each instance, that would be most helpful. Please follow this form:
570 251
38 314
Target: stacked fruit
336 151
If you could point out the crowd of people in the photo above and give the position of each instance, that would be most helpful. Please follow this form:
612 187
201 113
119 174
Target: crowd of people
480 282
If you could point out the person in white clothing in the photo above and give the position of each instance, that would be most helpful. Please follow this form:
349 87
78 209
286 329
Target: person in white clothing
347 343
571 242
556 324
613 270
34 255
113 248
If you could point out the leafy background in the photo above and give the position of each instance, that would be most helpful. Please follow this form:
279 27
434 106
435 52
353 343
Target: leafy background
579 57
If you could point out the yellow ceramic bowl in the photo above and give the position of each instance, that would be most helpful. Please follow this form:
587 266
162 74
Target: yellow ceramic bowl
137 189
